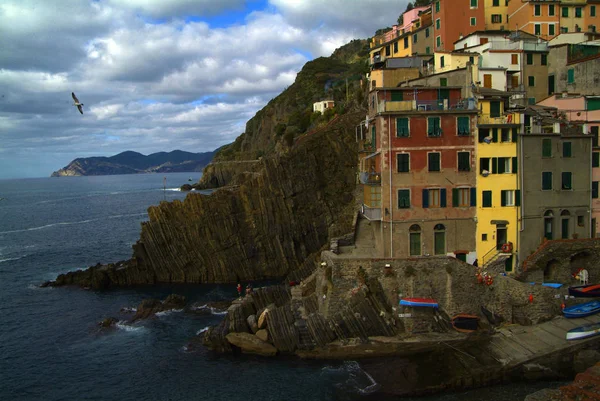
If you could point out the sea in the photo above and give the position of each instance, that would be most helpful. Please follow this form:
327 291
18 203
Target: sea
52 347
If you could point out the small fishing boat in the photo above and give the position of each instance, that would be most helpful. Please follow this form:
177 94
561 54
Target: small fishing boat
585 291
465 323
585 331
582 310
427 302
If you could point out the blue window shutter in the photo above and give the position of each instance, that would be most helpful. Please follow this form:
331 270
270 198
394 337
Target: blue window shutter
443 197
474 196
425 198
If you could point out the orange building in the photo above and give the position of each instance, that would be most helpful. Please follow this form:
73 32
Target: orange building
453 19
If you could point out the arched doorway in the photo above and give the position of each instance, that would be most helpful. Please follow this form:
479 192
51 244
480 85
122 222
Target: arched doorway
415 240
565 218
548 224
439 239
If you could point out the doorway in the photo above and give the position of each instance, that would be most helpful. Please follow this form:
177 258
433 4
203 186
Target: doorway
501 235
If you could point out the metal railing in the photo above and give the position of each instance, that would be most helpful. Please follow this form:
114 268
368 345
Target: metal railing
369 177
503 119
371 213
424 105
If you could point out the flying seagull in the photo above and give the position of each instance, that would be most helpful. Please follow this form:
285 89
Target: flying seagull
76 103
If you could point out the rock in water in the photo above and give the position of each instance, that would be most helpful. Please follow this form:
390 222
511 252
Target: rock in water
250 344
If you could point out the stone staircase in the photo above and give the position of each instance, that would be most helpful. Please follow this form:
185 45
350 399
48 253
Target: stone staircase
305 339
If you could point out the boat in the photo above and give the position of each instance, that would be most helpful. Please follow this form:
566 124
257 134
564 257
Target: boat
582 310
465 323
584 331
585 291
427 302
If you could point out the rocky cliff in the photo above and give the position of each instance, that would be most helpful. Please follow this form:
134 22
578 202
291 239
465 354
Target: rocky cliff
276 220
134 163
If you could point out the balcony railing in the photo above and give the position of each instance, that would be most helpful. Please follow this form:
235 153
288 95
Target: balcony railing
424 105
504 119
371 213
370 178
518 88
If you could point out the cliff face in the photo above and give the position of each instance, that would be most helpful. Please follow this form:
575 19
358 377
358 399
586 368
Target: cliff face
133 163
278 217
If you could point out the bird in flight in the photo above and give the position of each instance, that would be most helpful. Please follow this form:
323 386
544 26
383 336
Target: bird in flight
76 103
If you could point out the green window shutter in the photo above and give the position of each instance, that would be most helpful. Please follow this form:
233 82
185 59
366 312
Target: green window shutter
494 165
443 81
596 159
403 199
566 149
503 198
434 161
487 199
570 75
565 11
595 189
443 197
515 134
473 196
501 165
547 148
397 96
495 109
464 126
495 135
529 58
454 197
547 180
402 127
515 163
425 198
518 197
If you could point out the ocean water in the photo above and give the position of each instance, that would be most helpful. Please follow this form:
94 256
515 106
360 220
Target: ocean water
51 347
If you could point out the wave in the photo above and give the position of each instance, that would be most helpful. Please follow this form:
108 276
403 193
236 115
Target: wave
202 330
9 259
212 310
168 312
122 325
67 223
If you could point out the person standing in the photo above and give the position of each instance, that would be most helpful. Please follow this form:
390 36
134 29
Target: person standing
239 290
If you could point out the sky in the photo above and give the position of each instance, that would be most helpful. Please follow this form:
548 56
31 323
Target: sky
155 75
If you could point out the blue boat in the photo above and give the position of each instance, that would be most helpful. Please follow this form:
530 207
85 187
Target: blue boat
585 331
426 302
582 310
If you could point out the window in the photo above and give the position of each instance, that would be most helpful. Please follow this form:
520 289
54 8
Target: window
402 129
387 50
496 18
546 147
595 189
464 161
564 29
463 197
503 165
439 239
531 100
537 29
484 237
403 162
427 50
483 133
473 21
566 180
548 224
570 75
547 180
577 12
433 161
551 30
415 38
434 198
507 198
543 59
537 10
397 96
443 81
566 149
433 127
437 6
438 41
406 42
594 135
529 58
484 165
496 3
514 59
592 11
565 11
551 10
464 126
473 3
403 198
564 223
515 134
531 80
396 47
427 32
505 135
442 61
437 23
580 221
375 198
487 199
415 240
494 108
595 159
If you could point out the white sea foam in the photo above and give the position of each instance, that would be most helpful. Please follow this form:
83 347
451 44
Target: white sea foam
9 259
68 223
202 330
356 378
121 324
168 312
212 310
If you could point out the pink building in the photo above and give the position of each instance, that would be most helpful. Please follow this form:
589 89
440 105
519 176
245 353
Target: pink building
584 109
410 18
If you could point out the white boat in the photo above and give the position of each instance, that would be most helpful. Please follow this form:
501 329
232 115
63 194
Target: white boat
585 331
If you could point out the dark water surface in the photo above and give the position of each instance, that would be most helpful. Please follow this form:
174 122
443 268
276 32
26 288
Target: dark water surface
50 344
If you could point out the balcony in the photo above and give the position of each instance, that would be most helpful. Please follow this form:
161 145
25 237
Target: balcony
425 105
487 119
373 178
518 88
371 213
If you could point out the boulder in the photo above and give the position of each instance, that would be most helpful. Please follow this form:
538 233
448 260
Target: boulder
108 322
262 319
250 344
149 307
252 323
263 335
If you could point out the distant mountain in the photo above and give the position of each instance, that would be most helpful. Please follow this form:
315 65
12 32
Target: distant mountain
130 162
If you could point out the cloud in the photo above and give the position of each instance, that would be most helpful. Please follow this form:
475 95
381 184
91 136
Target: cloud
154 75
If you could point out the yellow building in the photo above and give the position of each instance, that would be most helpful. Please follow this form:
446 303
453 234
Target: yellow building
496 16
498 197
450 61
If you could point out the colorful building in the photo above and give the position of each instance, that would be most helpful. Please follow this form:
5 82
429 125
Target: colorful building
454 19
